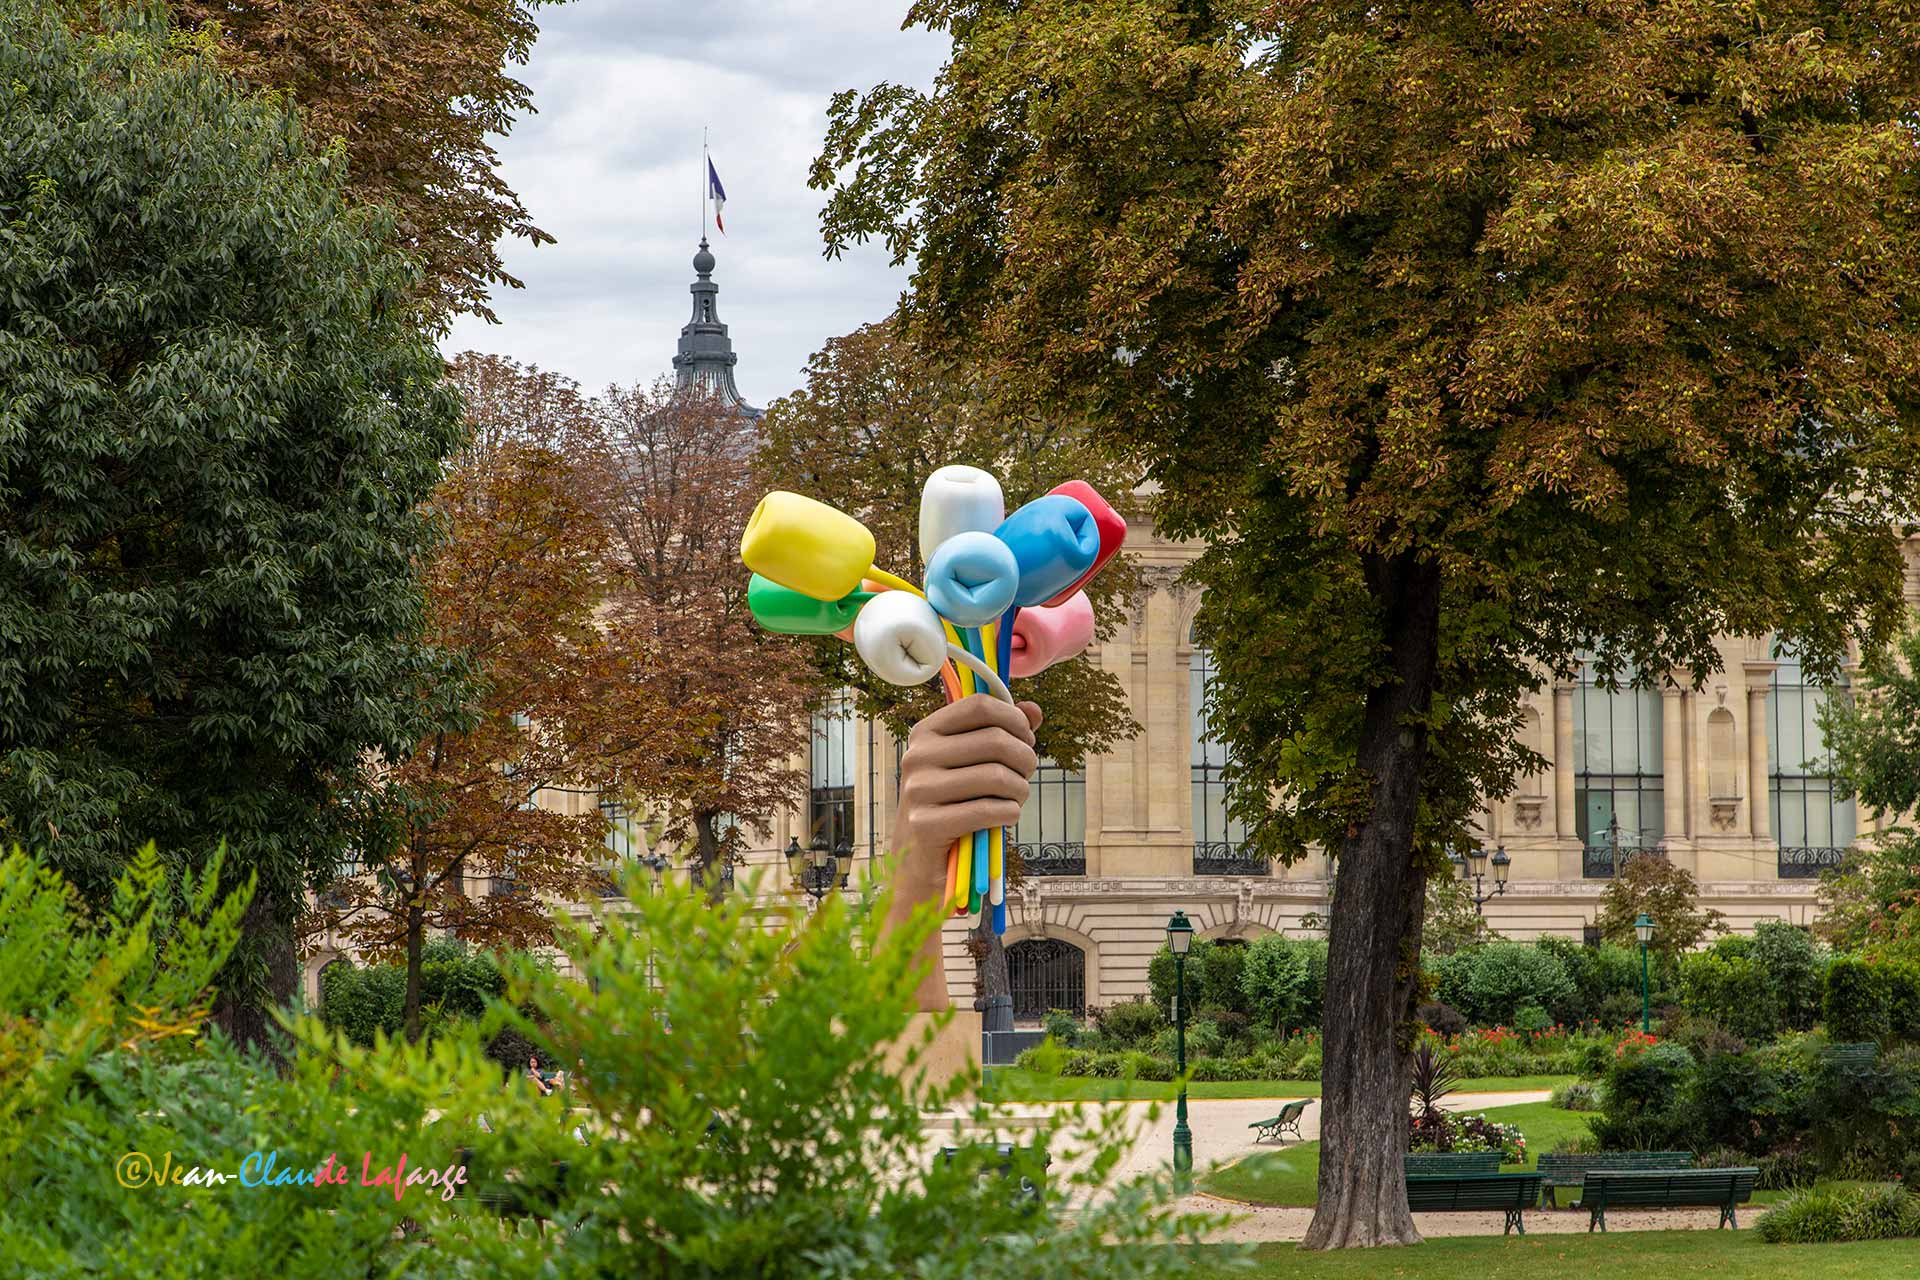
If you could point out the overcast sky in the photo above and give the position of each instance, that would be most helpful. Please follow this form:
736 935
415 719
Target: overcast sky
610 166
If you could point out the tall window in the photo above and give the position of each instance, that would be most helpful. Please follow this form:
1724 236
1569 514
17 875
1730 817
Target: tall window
1216 837
1617 768
830 804
1813 826
1052 834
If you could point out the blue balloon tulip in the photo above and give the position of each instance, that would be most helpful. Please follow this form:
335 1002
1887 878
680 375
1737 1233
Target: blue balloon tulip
971 579
1054 540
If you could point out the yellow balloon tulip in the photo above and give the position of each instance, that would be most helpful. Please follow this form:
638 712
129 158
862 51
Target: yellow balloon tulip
806 546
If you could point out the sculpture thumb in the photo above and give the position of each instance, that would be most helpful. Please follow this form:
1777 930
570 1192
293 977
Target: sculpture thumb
1112 527
958 500
1054 541
788 612
971 578
900 638
806 546
1045 635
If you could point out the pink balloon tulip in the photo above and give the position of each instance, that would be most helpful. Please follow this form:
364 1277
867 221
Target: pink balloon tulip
1043 636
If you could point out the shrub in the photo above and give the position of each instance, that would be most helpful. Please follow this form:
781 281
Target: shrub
1643 1097
1490 984
1827 1215
1795 967
1203 1040
1064 1029
1724 986
1601 974
1531 1018
1273 982
1135 1065
1855 1007
1581 1095
1213 976
1127 1025
1787 1169
1443 1020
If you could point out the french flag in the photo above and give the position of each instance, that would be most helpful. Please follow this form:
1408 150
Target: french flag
719 194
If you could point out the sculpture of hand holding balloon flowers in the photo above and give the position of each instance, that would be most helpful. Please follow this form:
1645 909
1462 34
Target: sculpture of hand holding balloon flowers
1003 600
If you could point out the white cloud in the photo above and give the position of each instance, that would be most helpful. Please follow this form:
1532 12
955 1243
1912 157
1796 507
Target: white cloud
610 165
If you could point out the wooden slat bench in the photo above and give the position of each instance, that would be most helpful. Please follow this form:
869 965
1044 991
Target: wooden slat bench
1287 1122
1511 1193
1852 1057
1572 1170
1452 1162
1674 1188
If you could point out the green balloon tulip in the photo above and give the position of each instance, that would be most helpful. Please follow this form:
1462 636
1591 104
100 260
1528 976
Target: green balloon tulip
780 609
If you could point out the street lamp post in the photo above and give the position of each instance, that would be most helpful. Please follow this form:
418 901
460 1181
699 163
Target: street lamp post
1643 929
819 870
1476 871
1180 941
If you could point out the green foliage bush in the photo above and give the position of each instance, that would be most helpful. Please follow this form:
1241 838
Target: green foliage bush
1756 987
1128 1025
767 1033
1490 984
1828 1215
1581 1095
1856 1006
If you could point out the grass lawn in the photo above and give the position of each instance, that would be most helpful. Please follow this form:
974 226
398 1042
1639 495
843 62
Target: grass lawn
1011 1084
1623 1255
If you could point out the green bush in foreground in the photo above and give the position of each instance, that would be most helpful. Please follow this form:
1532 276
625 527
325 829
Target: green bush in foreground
1827 1215
736 1113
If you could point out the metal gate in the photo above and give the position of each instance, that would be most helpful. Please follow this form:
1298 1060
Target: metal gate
1045 973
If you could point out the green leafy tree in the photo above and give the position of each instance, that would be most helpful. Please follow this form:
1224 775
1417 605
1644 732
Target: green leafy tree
1274 982
1872 903
218 431
1668 895
1468 336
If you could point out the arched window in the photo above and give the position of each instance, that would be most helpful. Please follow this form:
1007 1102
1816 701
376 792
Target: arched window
1814 827
1618 779
830 797
1216 837
1052 835
1044 974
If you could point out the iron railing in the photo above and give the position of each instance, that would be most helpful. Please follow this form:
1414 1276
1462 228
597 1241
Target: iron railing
1597 861
1223 858
1806 862
1045 974
1053 857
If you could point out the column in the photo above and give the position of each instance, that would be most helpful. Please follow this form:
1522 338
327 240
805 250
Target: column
1673 760
1563 818
1757 795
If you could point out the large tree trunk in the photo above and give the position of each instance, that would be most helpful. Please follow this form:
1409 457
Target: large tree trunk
706 857
242 1009
1374 937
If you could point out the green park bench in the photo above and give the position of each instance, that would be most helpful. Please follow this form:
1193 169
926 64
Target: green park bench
1511 1193
1287 1122
1028 1164
1666 1188
1572 1170
1452 1162
1852 1057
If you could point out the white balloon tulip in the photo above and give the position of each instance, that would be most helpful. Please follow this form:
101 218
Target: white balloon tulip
900 638
958 499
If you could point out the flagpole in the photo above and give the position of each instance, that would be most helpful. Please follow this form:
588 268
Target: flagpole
704 162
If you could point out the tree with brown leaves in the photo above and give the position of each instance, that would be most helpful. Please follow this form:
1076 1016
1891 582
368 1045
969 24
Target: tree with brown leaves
560 698
677 487
415 93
